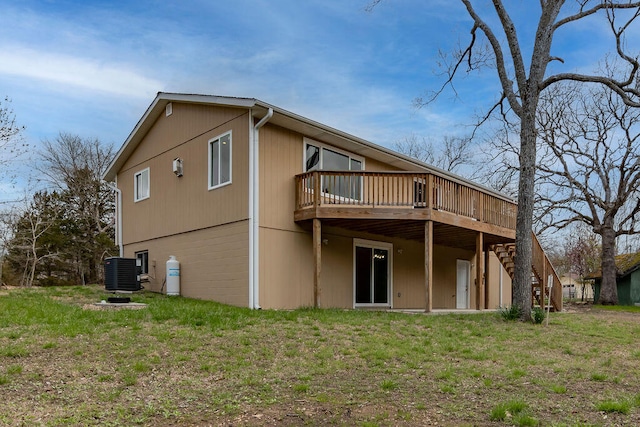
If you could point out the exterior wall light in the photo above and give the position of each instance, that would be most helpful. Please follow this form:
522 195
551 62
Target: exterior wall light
177 166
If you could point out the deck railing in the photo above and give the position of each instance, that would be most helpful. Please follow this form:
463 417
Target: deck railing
543 268
410 190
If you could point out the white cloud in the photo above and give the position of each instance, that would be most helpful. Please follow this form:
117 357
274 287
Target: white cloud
86 73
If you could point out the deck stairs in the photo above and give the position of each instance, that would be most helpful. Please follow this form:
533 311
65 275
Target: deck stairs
541 272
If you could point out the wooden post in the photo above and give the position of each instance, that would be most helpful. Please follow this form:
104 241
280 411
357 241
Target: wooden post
487 278
428 265
317 261
317 190
479 272
429 190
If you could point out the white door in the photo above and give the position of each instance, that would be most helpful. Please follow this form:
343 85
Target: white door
463 277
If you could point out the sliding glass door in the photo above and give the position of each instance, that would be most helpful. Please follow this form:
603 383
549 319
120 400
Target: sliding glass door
372 273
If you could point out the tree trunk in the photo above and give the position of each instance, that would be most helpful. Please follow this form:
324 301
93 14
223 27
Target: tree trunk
608 288
32 271
524 221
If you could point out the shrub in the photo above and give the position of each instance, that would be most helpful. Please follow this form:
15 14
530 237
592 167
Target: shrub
538 315
510 313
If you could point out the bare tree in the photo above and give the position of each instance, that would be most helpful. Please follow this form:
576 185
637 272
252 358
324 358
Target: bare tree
583 252
7 225
9 130
496 43
28 246
590 166
452 154
11 143
74 166
577 254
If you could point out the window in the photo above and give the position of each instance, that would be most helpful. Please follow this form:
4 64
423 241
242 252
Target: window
319 157
141 185
220 161
142 261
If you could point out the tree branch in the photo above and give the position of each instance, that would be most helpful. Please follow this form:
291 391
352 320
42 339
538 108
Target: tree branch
606 4
507 84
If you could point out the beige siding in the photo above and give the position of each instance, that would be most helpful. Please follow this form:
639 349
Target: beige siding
281 154
281 159
337 270
213 262
494 284
377 166
186 122
178 205
285 272
289 278
409 287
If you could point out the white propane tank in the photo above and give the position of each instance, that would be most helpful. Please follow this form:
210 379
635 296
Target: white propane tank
173 276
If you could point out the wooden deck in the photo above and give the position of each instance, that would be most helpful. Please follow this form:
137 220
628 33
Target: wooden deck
406 196
401 203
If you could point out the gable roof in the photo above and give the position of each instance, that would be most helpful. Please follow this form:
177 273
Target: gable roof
625 264
285 119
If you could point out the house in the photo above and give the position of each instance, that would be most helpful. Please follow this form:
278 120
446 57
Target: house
268 209
574 287
627 279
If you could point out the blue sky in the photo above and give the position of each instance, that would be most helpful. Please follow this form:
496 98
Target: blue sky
91 68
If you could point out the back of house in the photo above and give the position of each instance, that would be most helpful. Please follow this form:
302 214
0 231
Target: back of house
267 209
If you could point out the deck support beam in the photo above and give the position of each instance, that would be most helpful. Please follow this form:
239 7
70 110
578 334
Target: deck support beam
479 272
428 265
317 261
487 277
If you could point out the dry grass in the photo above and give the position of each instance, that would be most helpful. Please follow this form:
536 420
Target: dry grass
188 362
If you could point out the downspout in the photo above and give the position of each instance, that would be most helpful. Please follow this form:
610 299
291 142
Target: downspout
254 209
118 233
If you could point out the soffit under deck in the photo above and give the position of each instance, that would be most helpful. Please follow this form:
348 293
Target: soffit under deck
443 234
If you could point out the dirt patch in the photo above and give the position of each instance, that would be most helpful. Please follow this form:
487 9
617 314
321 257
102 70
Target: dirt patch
590 308
576 307
114 306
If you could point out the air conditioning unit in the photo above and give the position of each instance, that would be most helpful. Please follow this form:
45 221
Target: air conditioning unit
122 274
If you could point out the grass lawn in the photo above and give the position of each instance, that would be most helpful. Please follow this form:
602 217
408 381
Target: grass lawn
63 361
